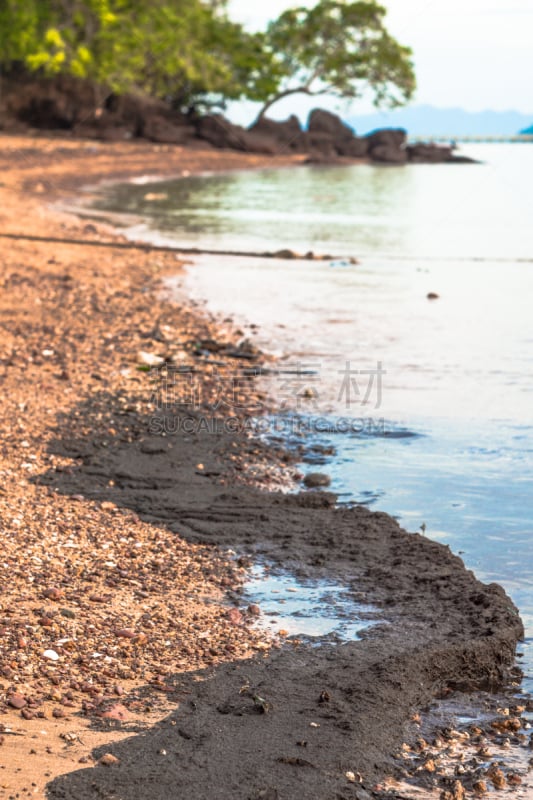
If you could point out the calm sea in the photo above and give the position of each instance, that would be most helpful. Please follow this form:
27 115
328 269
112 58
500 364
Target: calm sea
445 437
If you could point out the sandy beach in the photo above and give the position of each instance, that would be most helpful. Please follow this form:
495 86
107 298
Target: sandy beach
124 635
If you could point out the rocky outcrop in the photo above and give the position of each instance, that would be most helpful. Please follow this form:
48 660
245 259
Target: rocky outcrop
82 109
429 153
387 146
158 129
329 135
50 104
388 154
220 132
286 133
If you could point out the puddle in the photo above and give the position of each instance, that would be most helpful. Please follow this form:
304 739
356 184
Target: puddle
315 609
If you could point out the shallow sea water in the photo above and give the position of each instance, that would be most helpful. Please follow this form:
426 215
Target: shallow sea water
447 443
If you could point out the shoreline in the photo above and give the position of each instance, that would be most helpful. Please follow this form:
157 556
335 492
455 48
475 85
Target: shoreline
95 446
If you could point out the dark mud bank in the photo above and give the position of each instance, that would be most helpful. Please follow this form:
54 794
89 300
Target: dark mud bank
302 721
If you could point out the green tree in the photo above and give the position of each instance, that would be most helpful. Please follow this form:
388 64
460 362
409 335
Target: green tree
338 48
181 50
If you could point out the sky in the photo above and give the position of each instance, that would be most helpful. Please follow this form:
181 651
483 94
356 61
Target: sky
473 54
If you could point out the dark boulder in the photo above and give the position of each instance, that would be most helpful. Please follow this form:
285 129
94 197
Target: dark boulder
325 122
220 132
287 133
158 129
386 137
325 126
387 146
49 103
388 154
136 109
428 153
112 132
356 147
322 144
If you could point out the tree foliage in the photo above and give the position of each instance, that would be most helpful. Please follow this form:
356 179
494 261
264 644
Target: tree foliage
189 51
180 50
339 48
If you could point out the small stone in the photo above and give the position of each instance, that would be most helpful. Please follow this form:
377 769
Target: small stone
432 296
497 777
480 788
235 616
53 593
51 655
313 480
254 610
97 598
59 713
117 712
16 700
125 633
108 760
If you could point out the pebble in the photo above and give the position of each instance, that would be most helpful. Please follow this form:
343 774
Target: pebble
117 712
108 760
254 610
315 479
125 633
16 700
51 655
235 616
53 593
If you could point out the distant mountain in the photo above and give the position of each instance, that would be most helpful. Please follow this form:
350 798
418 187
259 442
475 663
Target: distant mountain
452 122
528 131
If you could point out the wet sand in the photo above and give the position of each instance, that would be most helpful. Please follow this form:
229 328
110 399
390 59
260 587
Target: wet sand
116 541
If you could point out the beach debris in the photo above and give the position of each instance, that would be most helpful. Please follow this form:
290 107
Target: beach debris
432 296
285 254
70 738
108 760
245 349
313 480
146 359
261 704
295 761
353 777
152 196
51 655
